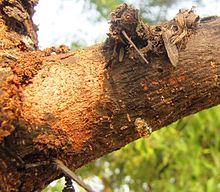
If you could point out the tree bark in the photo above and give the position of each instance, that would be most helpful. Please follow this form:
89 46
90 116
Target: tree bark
78 106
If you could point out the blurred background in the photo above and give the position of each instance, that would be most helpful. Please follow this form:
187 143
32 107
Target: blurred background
183 157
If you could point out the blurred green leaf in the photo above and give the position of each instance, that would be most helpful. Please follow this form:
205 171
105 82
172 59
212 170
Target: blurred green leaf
104 7
55 186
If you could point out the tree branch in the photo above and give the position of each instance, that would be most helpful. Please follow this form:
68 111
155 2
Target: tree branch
78 106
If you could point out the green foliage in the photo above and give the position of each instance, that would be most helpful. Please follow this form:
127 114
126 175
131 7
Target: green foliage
152 10
181 157
104 7
55 186
75 45
166 3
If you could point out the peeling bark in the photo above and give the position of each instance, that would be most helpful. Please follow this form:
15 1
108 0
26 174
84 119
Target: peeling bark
78 106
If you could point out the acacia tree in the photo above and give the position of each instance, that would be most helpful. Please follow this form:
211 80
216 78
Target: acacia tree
78 106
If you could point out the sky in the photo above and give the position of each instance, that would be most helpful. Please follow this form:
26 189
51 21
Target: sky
66 21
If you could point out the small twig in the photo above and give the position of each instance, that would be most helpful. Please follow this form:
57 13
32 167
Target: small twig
72 175
37 164
131 42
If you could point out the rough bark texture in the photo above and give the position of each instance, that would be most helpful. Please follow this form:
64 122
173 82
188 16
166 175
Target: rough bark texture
72 107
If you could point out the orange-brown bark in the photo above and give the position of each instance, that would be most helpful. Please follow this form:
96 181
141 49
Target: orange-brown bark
72 107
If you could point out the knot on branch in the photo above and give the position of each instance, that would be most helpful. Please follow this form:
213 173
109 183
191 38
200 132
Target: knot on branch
124 18
131 38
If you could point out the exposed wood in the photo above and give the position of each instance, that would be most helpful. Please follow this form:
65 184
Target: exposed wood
72 107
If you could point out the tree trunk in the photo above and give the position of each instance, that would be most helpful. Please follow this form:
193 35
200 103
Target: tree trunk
78 106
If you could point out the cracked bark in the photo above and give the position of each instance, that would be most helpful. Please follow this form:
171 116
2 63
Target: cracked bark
71 107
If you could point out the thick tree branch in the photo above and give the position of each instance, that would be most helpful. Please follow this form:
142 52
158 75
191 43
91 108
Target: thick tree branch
78 106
